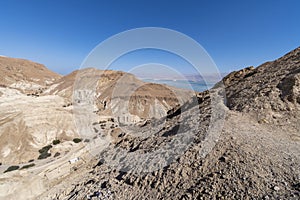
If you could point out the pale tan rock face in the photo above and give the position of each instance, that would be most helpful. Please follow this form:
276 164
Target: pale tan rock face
28 123
36 105
36 108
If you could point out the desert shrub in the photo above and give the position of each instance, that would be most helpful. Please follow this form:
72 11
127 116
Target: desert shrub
77 140
44 152
31 160
28 166
56 154
11 168
45 149
86 140
55 142
44 155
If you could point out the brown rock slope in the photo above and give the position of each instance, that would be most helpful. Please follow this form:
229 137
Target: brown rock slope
110 89
256 155
270 91
36 104
25 75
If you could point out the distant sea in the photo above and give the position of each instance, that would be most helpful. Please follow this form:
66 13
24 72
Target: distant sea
184 84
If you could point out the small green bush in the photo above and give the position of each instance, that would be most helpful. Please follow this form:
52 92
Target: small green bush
44 152
45 149
28 166
11 168
55 142
44 155
77 140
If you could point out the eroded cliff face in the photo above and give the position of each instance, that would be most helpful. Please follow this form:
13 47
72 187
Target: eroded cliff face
29 121
39 106
139 101
119 94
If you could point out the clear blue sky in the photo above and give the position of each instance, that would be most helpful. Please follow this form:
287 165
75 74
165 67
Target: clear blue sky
60 33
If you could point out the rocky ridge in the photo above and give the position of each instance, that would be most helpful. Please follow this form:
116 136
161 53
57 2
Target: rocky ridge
253 158
37 105
25 75
240 140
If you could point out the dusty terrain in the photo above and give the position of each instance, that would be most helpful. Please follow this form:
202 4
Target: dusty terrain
37 105
240 140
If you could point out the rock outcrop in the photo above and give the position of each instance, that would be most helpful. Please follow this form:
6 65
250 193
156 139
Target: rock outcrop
272 85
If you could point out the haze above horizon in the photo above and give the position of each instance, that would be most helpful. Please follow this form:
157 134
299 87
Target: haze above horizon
236 34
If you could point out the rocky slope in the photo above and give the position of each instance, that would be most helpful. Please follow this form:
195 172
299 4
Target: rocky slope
29 121
256 155
36 105
270 91
25 75
111 90
240 140
277 81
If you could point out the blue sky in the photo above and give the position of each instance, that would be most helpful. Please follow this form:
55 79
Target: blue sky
61 33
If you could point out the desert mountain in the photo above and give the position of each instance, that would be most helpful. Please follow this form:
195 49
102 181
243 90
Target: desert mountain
25 75
37 105
256 155
111 89
239 140
28 122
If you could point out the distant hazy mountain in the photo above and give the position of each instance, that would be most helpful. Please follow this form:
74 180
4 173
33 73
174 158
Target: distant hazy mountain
209 78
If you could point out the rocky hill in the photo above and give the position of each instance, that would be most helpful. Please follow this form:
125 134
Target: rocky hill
270 92
113 88
256 155
239 140
25 75
29 121
271 86
37 105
